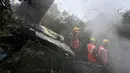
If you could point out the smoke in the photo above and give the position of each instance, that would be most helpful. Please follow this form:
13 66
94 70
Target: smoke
104 26
31 10
14 4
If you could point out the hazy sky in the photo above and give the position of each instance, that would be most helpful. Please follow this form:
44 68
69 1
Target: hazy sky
83 7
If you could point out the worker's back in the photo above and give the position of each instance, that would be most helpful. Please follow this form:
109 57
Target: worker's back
91 57
102 55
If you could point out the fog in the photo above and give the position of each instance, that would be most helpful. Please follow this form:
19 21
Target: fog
104 26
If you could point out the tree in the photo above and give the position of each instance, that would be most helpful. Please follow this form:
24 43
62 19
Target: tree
54 10
63 22
6 20
123 31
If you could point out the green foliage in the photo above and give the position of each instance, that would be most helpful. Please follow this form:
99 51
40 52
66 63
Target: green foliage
126 18
6 20
61 22
124 31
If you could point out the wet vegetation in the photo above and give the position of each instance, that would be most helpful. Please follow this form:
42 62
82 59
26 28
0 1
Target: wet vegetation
33 57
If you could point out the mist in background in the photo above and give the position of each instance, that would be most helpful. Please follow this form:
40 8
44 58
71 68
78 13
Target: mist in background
104 19
104 26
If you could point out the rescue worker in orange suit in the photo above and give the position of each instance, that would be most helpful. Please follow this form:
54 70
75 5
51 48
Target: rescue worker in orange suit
92 50
75 39
92 54
103 56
